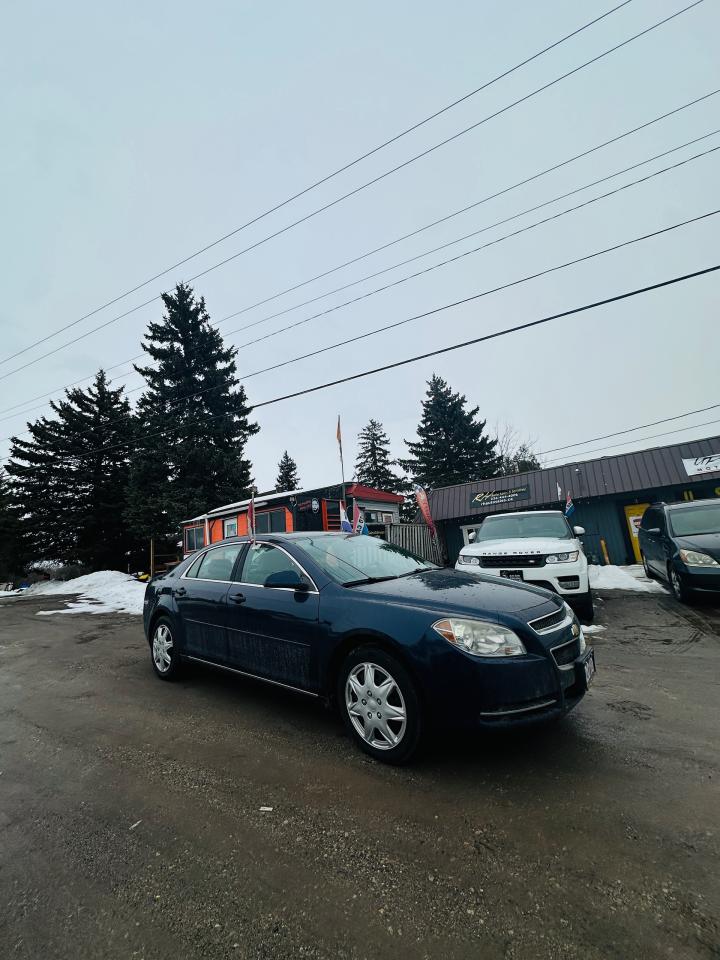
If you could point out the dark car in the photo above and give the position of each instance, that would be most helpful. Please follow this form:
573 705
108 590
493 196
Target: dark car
680 542
396 643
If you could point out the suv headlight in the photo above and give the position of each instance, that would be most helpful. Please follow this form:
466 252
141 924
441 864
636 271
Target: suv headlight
562 557
480 637
694 559
475 561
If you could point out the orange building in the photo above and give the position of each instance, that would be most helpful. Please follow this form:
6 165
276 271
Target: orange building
317 509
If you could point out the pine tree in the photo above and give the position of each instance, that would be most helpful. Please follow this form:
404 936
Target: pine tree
193 421
287 478
452 445
373 466
11 539
71 478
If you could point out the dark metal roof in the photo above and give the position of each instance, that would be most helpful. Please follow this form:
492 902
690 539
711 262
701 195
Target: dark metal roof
625 473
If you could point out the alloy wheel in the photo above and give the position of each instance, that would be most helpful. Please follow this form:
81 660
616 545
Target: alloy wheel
376 706
676 584
162 646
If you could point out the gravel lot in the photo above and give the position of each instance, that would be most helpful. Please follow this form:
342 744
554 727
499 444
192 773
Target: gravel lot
131 822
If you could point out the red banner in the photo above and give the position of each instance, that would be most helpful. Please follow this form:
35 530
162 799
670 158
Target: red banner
424 507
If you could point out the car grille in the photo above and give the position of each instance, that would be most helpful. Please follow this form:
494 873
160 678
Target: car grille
514 560
542 624
566 653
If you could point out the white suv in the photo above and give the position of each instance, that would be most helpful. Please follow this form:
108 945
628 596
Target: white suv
538 547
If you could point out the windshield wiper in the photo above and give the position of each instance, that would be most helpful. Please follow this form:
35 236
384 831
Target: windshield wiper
356 583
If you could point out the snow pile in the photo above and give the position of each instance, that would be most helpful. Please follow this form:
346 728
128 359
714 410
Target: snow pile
107 591
9 593
622 578
593 628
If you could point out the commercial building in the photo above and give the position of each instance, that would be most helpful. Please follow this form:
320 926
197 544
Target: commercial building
315 509
609 494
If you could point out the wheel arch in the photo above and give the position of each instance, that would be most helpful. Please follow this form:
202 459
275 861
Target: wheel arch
157 613
366 638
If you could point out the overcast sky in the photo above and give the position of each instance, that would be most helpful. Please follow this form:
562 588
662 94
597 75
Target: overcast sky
135 133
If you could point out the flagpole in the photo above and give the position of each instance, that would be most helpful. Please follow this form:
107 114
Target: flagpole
342 465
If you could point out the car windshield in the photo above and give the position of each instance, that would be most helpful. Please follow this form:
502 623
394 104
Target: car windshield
692 520
355 559
552 526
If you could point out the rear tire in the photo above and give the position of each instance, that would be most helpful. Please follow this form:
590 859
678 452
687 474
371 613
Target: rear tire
379 705
164 654
677 586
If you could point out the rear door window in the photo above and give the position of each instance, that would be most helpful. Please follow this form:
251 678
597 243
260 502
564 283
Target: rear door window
218 564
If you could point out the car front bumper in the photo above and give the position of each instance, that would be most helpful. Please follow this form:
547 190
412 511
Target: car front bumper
566 579
699 578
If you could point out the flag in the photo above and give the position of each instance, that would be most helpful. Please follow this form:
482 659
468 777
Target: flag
360 525
345 524
424 507
338 433
559 490
569 506
251 517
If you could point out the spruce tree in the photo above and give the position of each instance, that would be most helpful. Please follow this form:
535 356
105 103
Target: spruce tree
11 539
373 466
452 445
193 421
287 478
70 479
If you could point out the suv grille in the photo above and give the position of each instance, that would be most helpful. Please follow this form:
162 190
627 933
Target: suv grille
542 624
514 560
567 652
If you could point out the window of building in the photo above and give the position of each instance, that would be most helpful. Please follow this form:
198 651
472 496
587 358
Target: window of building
263 560
271 521
194 539
387 518
218 564
230 528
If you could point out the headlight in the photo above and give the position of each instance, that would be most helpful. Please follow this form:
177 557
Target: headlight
562 557
577 630
481 638
475 561
694 559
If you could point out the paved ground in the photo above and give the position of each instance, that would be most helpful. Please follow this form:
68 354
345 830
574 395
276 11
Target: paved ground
130 820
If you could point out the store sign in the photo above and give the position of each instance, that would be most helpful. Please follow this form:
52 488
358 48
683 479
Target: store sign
699 465
497 498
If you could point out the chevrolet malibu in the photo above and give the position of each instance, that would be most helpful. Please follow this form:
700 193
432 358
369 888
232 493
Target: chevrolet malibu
397 644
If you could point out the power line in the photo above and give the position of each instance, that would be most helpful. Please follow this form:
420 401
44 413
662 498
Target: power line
493 196
399 323
471 206
442 350
364 186
625 443
326 178
484 246
619 433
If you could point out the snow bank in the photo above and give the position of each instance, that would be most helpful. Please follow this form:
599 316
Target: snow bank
107 591
622 578
593 628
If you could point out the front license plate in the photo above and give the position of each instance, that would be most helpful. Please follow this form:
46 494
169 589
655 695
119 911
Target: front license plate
589 666
512 574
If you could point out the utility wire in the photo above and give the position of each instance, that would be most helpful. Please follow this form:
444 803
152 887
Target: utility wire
484 246
368 183
471 206
399 323
326 178
442 350
619 433
625 443
499 193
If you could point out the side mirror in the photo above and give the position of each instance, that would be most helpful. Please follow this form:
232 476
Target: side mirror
578 531
655 531
286 580
471 536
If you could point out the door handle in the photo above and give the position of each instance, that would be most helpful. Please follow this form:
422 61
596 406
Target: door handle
180 592
238 598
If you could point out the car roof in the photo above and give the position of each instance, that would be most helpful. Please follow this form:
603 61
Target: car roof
684 504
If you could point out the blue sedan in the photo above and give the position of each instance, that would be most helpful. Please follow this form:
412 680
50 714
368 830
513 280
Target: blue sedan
398 644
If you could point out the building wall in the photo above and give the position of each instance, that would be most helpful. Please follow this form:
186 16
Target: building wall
602 518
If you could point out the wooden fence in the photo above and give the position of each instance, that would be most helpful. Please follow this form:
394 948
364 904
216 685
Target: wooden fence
417 538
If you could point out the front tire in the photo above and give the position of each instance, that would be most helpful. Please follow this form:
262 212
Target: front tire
379 705
164 654
677 586
646 568
584 607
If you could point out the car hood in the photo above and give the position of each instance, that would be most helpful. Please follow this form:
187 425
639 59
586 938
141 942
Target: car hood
518 545
455 592
702 542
